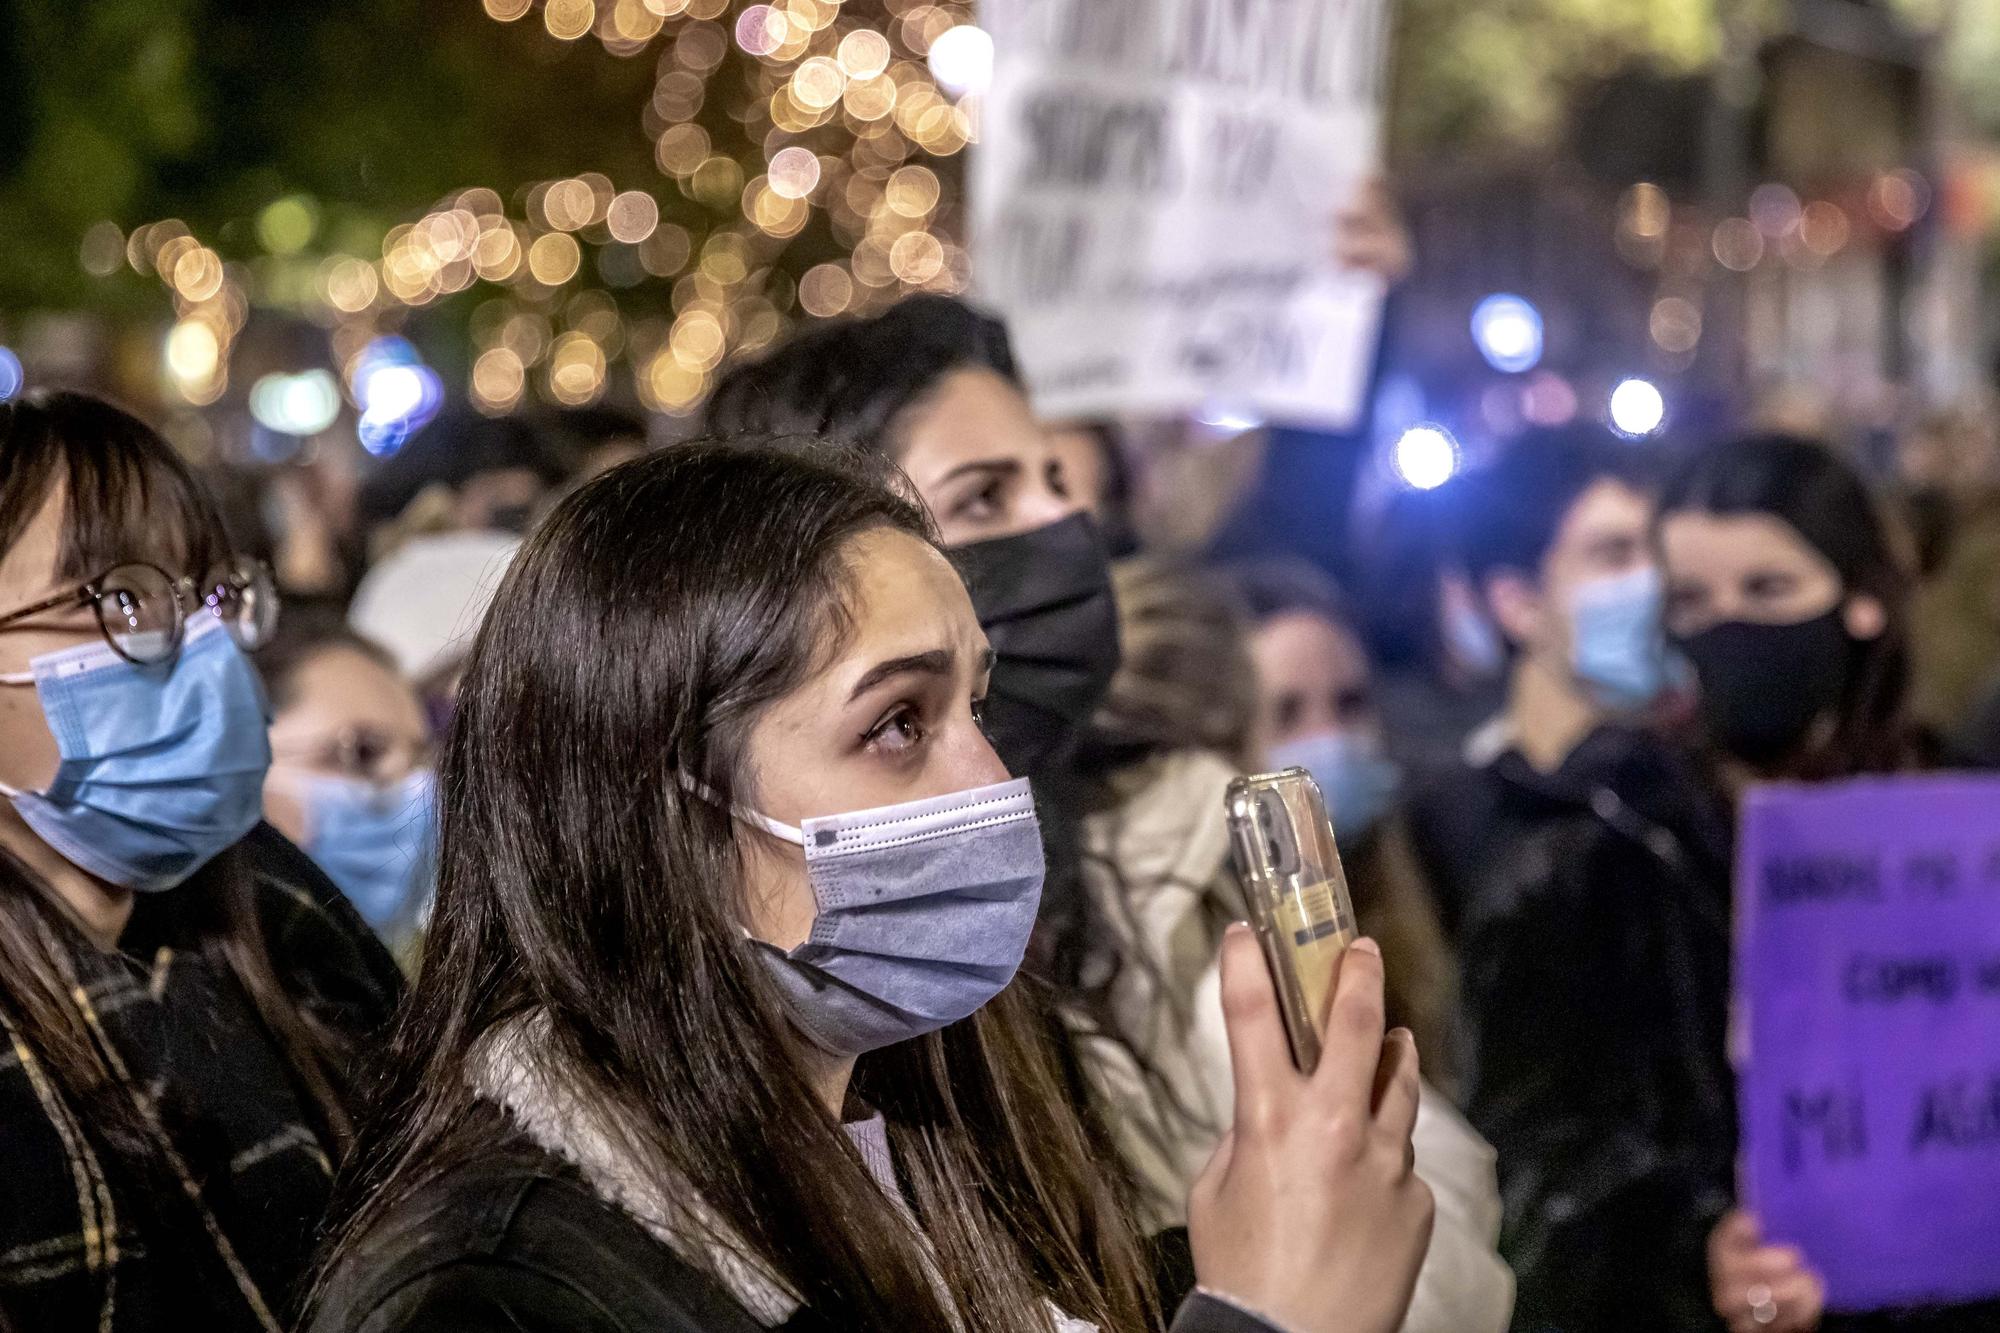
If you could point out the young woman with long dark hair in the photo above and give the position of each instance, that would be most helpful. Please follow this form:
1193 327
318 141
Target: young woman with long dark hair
180 991
1786 590
714 1030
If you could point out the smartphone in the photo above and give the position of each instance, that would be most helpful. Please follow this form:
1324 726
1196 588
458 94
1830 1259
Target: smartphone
1282 844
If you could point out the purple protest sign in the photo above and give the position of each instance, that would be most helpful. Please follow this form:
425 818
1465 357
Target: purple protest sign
1868 988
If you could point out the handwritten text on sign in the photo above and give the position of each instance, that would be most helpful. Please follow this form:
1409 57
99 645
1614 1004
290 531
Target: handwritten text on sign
1869 972
1154 198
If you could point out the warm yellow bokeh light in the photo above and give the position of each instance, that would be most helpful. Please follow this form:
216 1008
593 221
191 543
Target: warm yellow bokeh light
864 53
349 284
916 257
825 290
682 149
913 191
498 377
718 181
198 274
568 20
631 216
497 256
553 259
508 10
794 172
818 83
671 386
568 205
193 351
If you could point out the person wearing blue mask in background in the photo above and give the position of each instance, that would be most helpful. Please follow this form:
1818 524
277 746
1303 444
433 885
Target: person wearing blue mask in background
1180 722
1584 863
181 993
351 779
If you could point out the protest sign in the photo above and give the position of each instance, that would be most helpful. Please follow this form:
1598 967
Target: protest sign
1154 198
1868 986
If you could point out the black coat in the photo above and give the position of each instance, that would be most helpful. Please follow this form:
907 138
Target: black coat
518 1242
90 1237
1594 935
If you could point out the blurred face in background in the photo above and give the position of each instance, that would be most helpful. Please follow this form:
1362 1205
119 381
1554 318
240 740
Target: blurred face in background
1312 677
1752 568
980 461
1080 451
350 778
1604 537
1316 711
502 500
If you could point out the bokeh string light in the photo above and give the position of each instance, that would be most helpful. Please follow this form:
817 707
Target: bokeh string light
805 152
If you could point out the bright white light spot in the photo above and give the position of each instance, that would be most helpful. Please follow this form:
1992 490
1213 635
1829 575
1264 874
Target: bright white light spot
1425 457
962 60
1232 420
11 377
398 393
303 404
1637 408
193 351
1508 330
393 391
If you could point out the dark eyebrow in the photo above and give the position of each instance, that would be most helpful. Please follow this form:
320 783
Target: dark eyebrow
936 662
996 466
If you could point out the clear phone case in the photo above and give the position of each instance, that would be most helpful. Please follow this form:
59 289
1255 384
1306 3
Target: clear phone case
1282 843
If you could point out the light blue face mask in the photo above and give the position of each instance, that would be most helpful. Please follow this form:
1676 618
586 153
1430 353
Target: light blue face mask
924 912
1357 779
162 766
374 842
1617 647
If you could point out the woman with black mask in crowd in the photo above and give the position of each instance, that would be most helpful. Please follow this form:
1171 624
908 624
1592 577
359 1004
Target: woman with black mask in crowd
932 385
714 1029
180 991
1787 594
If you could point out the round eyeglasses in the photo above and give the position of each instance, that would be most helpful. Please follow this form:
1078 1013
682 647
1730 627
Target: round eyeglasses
142 610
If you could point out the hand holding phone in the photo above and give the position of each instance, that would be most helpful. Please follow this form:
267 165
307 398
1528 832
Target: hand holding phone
1281 842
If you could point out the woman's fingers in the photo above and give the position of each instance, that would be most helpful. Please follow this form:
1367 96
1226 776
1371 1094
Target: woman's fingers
1397 1087
1352 1048
1260 1058
1737 1230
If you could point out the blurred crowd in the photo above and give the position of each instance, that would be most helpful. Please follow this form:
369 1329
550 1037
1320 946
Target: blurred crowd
1531 761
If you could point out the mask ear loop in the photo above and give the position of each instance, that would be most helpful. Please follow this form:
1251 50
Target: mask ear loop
15 678
776 828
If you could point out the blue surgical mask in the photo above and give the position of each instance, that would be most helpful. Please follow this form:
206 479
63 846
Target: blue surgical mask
923 914
1357 779
374 842
162 766
1617 648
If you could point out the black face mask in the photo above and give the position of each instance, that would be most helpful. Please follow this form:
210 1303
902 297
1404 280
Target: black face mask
1044 600
1763 686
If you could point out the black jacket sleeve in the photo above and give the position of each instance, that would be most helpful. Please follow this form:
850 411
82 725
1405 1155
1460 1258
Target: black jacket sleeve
1204 1313
1591 1060
494 1297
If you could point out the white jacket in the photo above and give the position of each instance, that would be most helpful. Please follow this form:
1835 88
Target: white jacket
1156 867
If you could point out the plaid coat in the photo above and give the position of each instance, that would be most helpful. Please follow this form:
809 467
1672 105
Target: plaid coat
225 1242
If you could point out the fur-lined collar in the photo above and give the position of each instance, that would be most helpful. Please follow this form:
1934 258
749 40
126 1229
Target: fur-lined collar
510 1067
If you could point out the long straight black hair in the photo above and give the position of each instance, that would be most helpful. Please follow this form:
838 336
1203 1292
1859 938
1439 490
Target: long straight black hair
636 639
1803 484
127 496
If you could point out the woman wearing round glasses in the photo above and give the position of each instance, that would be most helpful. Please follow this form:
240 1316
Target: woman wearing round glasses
179 994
